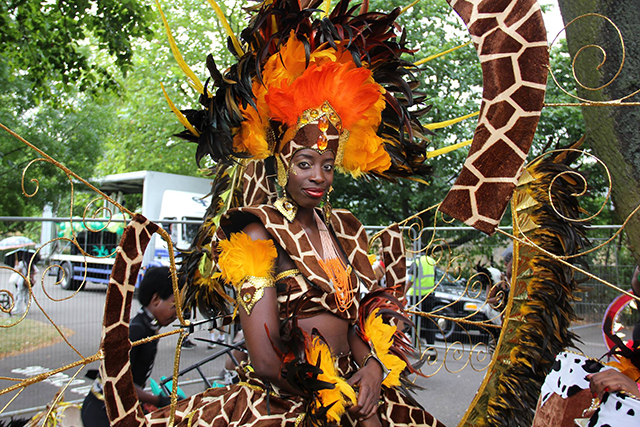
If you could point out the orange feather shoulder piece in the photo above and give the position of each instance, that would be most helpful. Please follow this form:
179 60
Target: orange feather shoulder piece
241 256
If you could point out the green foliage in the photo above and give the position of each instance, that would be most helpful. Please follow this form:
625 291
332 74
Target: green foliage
72 132
132 129
55 42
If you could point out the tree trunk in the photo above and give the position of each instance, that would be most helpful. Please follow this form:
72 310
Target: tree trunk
612 132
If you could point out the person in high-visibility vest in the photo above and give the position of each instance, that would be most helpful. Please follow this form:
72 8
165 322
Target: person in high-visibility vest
422 282
423 270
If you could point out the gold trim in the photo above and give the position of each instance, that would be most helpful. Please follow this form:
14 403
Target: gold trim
283 176
287 273
248 300
299 419
286 207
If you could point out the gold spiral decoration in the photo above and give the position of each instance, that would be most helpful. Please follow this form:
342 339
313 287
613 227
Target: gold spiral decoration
583 102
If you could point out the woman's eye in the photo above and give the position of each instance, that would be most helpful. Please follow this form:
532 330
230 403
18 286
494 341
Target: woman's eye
304 165
328 167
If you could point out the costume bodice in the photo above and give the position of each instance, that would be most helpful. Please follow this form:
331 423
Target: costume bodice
310 286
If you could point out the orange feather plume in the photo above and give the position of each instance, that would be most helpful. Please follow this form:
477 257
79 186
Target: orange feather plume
241 256
351 91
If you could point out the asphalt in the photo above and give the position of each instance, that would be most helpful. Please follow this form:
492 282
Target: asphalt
447 392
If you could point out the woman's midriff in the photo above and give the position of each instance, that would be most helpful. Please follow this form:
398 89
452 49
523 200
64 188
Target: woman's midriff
333 329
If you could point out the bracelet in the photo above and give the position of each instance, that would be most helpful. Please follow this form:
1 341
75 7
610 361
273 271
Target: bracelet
372 355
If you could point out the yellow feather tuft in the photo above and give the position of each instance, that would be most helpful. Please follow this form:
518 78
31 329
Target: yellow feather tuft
364 152
195 81
380 336
241 256
343 394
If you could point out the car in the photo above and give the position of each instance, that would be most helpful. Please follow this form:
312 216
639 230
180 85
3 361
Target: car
458 308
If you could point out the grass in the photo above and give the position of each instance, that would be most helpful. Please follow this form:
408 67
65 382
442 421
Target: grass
26 336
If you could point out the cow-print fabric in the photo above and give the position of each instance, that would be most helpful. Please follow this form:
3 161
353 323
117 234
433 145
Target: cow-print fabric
568 377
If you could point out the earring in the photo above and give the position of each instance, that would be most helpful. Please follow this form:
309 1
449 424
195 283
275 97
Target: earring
326 208
286 207
282 173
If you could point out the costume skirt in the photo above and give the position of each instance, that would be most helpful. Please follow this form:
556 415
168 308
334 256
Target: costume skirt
246 404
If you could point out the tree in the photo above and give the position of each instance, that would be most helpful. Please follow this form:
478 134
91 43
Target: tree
71 132
55 42
613 132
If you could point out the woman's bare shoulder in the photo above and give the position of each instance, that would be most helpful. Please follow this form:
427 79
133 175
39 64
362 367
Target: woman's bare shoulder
256 231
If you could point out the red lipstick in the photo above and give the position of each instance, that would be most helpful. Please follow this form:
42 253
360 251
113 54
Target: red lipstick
315 193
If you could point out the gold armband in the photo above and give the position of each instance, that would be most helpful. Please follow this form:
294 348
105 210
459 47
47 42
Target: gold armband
252 290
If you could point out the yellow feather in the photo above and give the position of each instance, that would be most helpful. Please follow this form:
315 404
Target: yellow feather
445 150
343 394
179 114
241 256
195 81
439 125
326 7
227 27
380 335
438 55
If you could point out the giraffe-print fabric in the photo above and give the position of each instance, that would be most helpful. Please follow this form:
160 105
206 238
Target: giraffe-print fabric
245 404
393 254
257 188
291 236
511 42
121 400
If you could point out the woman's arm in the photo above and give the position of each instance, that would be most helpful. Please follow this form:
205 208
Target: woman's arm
368 378
261 327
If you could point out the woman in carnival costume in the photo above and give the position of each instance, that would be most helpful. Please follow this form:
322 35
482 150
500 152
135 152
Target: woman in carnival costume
307 97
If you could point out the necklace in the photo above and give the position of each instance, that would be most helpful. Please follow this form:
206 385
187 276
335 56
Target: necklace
334 267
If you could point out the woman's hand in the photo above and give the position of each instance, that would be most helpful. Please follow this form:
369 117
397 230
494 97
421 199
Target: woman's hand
368 380
610 381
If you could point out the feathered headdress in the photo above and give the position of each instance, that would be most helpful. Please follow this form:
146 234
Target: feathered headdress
296 69
305 79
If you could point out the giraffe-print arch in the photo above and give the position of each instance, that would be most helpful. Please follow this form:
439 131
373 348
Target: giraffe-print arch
511 41
121 400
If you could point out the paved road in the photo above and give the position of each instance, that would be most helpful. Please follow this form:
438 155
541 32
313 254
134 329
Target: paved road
447 393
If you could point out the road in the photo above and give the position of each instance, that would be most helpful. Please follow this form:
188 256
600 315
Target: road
450 388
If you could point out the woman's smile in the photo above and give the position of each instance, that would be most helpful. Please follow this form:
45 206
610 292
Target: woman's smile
315 193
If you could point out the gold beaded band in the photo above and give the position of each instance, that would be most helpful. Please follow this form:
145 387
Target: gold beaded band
287 273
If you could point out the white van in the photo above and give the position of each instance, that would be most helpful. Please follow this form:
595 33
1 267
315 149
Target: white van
179 206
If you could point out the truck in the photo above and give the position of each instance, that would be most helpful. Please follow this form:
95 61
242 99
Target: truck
176 202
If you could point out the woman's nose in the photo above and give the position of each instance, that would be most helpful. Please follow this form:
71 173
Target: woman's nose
318 174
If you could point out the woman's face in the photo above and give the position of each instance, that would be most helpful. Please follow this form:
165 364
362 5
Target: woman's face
310 176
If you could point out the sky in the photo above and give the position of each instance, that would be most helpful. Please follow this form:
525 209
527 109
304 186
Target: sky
552 19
